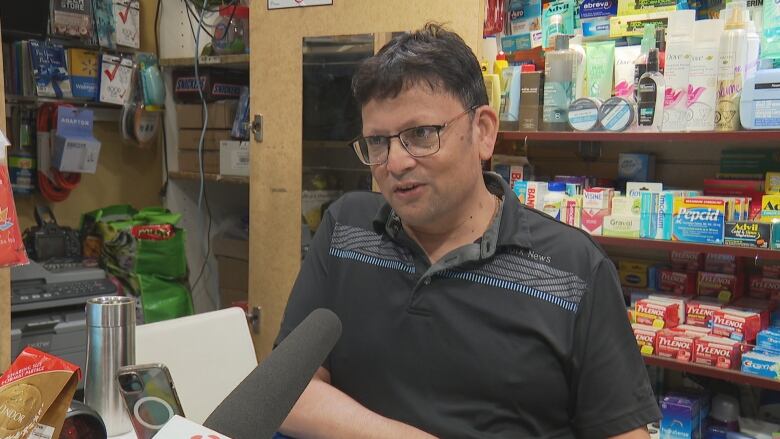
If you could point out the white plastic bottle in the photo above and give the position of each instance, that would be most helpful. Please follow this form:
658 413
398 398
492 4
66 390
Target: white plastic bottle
703 75
732 65
679 47
575 44
556 192
753 48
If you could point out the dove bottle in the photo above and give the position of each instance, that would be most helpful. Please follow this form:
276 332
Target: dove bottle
732 65
678 61
703 75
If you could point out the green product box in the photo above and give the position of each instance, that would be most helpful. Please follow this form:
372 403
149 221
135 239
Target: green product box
747 234
750 161
776 236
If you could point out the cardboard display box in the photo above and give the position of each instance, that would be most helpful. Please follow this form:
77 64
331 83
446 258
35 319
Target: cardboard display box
189 138
233 266
234 158
188 161
221 115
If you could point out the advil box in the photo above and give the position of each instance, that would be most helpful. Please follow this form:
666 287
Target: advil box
717 352
699 220
735 324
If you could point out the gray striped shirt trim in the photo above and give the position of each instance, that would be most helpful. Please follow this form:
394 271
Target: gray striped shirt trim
512 286
349 242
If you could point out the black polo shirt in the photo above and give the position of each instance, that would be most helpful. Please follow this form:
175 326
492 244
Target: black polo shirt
521 334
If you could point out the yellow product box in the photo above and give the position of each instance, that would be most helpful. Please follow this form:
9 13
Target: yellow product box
633 25
634 7
772 184
770 208
634 274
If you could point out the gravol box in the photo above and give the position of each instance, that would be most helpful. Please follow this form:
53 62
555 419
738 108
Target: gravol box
530 100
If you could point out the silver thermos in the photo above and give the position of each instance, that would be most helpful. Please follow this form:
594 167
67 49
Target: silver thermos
110 345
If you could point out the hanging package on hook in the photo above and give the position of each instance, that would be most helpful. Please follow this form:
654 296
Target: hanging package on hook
12 250
75 147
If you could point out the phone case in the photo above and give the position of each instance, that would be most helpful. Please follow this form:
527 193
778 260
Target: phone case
152 403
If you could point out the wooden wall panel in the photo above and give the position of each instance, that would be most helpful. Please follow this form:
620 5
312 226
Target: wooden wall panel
276 82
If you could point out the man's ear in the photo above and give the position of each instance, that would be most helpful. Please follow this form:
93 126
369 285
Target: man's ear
485 131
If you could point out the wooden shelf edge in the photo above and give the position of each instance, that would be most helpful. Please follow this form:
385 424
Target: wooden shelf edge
208 177
734 376
17 99
687 246
217 60
600 136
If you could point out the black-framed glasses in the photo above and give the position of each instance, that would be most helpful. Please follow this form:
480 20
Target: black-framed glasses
418 141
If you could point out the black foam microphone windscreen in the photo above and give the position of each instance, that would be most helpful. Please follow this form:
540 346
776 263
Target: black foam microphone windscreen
260 403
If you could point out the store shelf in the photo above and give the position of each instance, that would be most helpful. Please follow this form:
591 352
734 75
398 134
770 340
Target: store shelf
228 61
733 376
15 99
208 177
653 244
596 136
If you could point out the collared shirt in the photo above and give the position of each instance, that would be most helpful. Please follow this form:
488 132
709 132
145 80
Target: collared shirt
521 334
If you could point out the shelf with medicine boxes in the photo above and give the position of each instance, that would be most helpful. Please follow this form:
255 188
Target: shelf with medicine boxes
210 177
238 61
731 375
652 244
743 137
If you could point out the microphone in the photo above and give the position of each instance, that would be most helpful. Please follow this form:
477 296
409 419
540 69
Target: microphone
261 402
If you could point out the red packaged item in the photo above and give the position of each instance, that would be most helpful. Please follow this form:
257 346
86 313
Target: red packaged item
771 270
658 313
693 330
763 307
725 287
677 282
687 261
153 232
645 337
763 287
736 325
717 352
675 344
699 312
722 263
35 393
12 250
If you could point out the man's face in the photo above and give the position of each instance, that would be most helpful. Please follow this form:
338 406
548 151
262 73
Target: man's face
430 192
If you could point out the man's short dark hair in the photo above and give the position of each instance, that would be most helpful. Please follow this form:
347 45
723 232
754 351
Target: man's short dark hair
433 56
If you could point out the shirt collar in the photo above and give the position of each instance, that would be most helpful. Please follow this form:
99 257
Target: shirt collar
510 228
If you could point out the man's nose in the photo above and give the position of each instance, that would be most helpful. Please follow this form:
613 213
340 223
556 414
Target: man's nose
398 158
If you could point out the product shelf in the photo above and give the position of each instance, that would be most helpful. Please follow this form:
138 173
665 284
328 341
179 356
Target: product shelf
208 177
653 244
240 61
599 136
734 376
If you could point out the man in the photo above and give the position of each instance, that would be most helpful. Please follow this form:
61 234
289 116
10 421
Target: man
464 313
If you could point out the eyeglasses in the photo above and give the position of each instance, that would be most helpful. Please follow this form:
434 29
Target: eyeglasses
418 141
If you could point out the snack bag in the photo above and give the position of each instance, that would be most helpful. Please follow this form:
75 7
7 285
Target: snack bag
35 393
12 250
